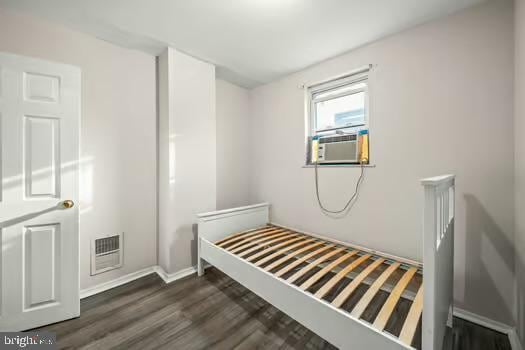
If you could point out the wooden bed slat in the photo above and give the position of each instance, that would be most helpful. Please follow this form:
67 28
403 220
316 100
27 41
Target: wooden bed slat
372 291
272 248
223 241
260 234
241 235
259 239
291 256
327 287
313 264
282 251
393 298
409 328
309 282
302 259
286 251
274 240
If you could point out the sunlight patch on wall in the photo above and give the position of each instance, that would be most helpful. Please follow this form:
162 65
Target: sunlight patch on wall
171 158
86 184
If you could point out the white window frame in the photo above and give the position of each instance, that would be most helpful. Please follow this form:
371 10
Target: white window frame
330 84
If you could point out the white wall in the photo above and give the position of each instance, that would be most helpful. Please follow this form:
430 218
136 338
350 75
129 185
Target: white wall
441 102
457 84
519 132
187 158
117 138
233 140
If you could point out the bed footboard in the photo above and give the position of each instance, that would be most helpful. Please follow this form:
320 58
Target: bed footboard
438 259
214 226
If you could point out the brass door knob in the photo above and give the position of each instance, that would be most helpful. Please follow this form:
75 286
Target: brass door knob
68 203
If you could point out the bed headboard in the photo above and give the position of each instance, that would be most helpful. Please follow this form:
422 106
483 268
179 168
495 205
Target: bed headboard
217 225
438 259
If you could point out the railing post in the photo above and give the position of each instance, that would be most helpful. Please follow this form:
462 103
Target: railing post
437 218
429 253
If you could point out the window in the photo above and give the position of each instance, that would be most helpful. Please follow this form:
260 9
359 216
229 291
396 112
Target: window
337 107
338 104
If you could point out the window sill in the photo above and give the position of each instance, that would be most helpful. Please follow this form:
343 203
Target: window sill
340 166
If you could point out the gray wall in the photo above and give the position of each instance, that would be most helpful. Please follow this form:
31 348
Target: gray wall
233 143
519 130
118 137
441 102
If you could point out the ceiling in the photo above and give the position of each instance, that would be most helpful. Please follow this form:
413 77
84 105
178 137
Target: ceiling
251 41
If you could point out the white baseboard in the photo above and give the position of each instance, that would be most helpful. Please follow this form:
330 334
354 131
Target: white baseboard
99 288
166 277
491 324
515 342
171 277
482 321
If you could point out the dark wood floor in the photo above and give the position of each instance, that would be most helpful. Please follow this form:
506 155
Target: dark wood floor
212 312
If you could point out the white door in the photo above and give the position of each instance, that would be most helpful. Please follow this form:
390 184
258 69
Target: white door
39 141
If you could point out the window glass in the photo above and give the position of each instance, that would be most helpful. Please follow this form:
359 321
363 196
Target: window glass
339 112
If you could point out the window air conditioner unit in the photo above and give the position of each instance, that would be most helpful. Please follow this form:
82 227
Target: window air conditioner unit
338 149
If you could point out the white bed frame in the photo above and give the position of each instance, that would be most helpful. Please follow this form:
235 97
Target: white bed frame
333 324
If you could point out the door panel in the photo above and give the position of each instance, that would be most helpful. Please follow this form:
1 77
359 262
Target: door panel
1 133
42 157
41 88
39 144
41 261
1 148
2 245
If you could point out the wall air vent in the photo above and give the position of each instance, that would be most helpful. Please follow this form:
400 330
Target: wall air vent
106 254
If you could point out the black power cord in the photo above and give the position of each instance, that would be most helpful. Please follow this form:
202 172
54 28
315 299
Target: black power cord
351 198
